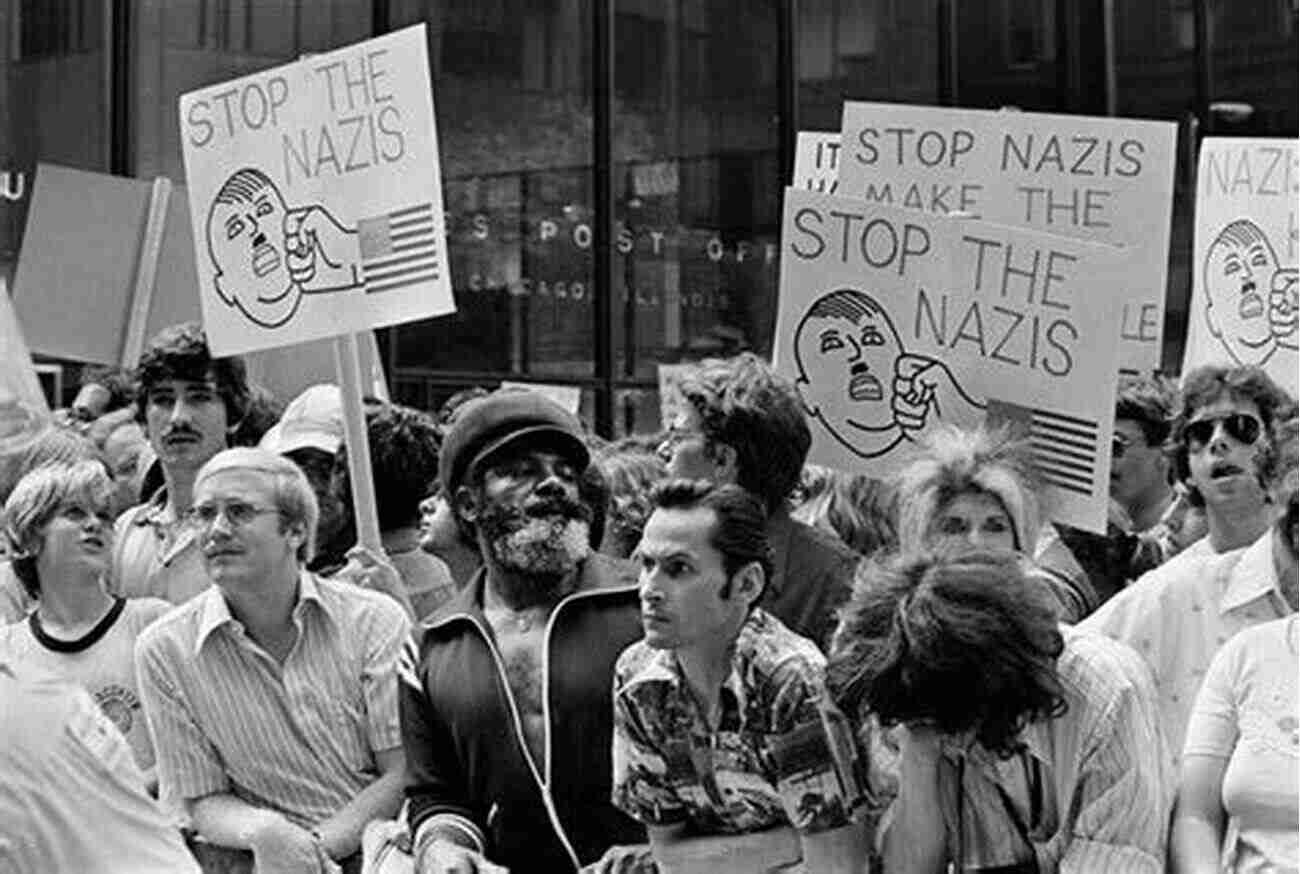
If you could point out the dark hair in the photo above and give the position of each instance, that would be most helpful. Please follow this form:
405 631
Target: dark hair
743 404
263 410
1148 401
181 352
960 642
1205 385
631 472
860 510
117 381
740 533
403 461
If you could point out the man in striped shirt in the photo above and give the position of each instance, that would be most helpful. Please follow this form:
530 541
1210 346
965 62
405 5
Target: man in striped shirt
272 696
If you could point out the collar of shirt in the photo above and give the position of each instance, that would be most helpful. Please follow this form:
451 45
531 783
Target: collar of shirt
664 668
1252 576
175 534
215 612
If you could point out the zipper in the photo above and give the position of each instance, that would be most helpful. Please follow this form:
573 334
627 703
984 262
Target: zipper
543 785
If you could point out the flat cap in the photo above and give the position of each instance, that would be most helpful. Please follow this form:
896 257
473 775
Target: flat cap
486 425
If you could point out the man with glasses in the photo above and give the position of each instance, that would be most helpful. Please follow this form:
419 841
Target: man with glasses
190 403
272 696
1224 445
744 424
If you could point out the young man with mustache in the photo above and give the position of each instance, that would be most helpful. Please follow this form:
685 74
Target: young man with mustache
506 690
1224 446
189 404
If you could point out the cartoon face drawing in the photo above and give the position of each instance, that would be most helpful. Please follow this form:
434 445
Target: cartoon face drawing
246 241
1239 270
846 347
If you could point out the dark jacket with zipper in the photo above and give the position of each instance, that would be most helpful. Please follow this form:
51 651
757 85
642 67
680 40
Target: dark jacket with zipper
464 742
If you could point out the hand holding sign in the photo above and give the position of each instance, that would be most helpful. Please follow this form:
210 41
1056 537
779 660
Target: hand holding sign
322 255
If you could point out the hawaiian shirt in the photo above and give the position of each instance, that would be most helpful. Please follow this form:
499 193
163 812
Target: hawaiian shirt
780 756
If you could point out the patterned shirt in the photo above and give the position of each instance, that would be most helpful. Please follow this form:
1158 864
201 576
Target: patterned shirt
1178 616
1087 792
298 737
156 555
772 760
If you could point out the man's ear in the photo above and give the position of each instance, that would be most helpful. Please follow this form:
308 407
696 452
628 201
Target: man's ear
725 462
747 582
465 504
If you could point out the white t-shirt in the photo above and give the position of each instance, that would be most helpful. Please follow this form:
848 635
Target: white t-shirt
71 798
1248 712
102 663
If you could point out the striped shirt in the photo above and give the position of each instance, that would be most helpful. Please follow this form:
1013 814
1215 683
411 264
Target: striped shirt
299 738
1086 793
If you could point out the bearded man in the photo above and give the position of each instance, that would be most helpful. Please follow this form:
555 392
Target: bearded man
506 692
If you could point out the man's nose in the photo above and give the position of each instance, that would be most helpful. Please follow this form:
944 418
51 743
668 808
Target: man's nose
856 347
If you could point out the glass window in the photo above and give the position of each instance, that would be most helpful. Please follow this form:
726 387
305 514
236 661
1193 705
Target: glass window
53 101
864 50
697 183
512 94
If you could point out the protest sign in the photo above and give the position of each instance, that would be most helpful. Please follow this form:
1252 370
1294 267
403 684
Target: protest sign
83 250
1108 180
1243 309
891 322
816 161
23 409
315 196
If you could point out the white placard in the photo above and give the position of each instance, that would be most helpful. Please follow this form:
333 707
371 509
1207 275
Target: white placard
1104 179
1243 309
23 409
892 321
316 198
816 161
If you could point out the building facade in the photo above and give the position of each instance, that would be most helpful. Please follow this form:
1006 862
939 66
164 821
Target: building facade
613 169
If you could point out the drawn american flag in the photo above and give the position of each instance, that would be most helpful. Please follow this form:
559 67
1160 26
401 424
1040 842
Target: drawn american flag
399 249
1066 448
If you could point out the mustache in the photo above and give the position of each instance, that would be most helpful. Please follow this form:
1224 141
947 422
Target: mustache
561 506
181 431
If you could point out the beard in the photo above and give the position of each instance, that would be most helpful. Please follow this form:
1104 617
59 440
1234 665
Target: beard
538 547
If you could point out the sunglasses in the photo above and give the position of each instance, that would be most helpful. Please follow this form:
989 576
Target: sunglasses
1241 427
1119 445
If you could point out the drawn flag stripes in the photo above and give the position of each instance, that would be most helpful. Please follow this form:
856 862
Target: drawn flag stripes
399 249
1065 449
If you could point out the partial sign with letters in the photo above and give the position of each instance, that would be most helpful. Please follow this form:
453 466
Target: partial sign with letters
315 196
892 321
817 161
1109 180
1244 308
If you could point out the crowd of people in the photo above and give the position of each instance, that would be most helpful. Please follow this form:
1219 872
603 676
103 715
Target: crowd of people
691 651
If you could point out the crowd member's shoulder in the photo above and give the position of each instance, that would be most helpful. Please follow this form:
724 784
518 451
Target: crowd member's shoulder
143 612
344 598
176 627
1091 661
1158 589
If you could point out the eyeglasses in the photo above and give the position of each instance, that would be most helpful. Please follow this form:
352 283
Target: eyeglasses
1242 427
238 513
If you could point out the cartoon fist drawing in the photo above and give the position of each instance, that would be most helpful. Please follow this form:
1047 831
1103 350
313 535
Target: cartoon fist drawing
859 383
